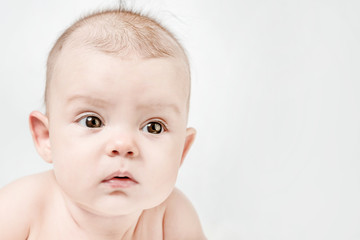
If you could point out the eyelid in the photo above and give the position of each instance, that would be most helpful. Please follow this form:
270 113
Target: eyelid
89 114
160 121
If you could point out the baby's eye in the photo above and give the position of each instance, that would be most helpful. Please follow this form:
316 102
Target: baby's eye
153 128
91 122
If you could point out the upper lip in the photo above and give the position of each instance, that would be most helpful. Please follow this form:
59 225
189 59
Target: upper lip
120 174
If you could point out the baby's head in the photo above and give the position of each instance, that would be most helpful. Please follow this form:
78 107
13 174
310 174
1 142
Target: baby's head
117 97
120 33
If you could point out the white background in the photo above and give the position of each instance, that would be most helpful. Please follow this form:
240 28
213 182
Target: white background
275 101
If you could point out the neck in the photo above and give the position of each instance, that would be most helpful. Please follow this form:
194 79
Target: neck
97 226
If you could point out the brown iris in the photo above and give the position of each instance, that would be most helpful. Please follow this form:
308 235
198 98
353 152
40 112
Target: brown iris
93 122
154 127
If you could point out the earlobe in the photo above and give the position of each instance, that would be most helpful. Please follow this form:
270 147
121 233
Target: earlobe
39 127
189 140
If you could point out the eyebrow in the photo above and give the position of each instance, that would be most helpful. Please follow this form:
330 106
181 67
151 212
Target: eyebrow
159 105
89 99
103 103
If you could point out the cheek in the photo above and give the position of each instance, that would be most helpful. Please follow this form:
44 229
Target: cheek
168 151
71 156
161 166
162 160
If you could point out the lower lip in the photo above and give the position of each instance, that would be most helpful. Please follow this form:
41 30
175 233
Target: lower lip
120 183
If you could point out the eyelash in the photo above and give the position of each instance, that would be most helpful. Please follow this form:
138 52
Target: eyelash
86 115
163 125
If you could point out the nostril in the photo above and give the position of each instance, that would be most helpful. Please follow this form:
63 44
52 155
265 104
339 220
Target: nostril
115 152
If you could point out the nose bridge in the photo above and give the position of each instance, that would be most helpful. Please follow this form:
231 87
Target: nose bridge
122 141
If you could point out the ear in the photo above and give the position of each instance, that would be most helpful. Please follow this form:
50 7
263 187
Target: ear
39 127
189 140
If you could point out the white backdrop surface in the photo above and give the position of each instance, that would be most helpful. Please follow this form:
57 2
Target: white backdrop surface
275 101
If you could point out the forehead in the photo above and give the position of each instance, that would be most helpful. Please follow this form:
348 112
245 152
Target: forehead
82 70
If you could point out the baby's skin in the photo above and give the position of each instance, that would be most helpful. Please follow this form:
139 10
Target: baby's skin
34 208
115 131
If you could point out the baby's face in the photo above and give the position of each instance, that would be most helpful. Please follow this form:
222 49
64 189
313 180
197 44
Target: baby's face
114 117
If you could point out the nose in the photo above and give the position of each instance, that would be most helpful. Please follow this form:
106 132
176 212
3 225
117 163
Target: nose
124 146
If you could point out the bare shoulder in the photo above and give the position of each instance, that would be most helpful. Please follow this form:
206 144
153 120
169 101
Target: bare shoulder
180 219
20 202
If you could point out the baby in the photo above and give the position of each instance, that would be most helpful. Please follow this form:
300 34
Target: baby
117 100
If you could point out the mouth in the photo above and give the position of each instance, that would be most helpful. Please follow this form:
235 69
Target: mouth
120 179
